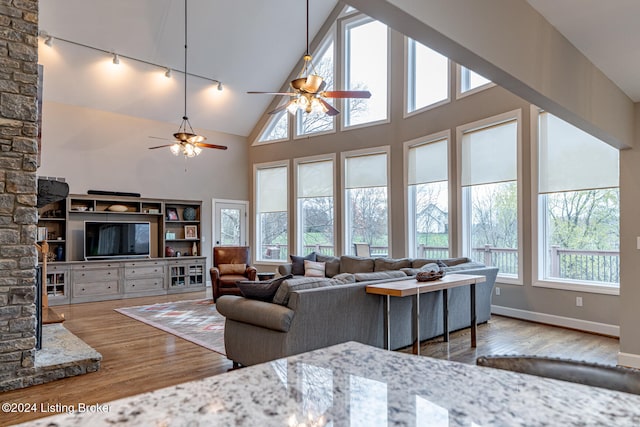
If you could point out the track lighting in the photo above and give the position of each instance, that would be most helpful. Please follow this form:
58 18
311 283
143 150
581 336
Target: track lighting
49 41
220 86
116 59
167 73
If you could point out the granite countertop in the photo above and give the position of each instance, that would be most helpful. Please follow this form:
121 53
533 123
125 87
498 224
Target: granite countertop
353 384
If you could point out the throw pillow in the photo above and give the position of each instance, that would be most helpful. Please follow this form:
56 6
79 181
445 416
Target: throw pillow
343 279
296 284
263 291
232 268
313 269
297 263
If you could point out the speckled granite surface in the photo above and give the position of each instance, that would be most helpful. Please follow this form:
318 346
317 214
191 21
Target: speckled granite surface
61 348
356 385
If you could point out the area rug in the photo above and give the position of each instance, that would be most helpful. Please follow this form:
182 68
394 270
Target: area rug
197 321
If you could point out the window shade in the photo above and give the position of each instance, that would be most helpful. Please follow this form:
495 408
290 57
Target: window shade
571 159
366 171
490 154
272 189
315 179
428 163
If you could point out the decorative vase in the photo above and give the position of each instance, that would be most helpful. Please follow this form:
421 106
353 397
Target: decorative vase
59 253
169 251
189 214
194 249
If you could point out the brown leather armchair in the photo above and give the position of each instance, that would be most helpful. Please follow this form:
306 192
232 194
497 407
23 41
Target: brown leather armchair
225 275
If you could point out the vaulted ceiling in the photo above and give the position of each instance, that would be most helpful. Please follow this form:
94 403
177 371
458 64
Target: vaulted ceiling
249 45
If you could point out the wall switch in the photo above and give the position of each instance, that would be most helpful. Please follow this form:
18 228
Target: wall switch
638 242
578 301
497 291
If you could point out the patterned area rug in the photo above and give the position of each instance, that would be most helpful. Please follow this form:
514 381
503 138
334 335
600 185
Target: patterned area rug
197 321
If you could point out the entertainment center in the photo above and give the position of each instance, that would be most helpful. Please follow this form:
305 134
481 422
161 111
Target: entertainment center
105 247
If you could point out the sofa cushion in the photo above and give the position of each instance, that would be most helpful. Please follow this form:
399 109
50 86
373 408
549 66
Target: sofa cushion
385 264
355 264
298 283
331 264
379 275
313 268
343 279
253 312
452 262
297 263
263 291
465 266
232 268
427 267
419 262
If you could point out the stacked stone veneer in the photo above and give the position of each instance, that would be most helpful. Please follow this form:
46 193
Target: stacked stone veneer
18 187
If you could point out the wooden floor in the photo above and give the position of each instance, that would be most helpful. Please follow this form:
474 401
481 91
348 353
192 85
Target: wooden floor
139 358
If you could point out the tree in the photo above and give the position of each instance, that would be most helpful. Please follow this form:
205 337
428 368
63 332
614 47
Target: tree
495 215
368 215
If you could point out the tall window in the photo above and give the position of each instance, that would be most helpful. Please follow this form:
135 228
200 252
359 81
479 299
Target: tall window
489 161
277 128
578 205
366 206
470 80
366 69
427 76
271 211
428 199
315 207
311 123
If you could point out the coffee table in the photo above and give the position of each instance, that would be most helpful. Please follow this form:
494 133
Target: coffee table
404 288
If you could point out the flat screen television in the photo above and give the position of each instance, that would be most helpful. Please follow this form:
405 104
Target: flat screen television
103 240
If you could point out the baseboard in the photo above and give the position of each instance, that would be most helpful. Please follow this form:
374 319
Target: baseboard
629 360
565 322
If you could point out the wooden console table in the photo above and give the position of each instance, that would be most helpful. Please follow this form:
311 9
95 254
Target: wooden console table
404 288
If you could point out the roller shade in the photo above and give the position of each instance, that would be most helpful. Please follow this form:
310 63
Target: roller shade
315 179
272 189
571 159
428 163
366 171
490 154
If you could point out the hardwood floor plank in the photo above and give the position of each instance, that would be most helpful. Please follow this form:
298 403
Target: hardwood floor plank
138 358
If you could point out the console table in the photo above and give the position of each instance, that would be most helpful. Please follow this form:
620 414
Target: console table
403 288
355 384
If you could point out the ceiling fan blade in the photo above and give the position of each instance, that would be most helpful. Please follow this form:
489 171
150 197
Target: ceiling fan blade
272 93
280 108
160 146
346 94
330 110
164 139
322 86
219 147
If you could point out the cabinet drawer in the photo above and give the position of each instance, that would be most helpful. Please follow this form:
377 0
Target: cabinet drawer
51 267
143 285
96 265
91 276
138 264
143 270
92 289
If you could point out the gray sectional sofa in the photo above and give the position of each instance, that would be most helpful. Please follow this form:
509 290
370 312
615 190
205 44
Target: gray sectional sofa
311 313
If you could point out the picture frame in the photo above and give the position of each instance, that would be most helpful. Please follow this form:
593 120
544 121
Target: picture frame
172 214
191 232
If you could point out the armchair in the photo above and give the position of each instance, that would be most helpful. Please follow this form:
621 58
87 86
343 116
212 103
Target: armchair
231 264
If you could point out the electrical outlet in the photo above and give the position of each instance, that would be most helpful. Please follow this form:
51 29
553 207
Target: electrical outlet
497 291
578 301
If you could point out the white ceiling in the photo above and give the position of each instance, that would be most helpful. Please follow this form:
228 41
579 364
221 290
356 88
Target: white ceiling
254 45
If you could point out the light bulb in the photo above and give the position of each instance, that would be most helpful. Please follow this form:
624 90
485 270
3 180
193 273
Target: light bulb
188 150
303 102
197 150
175 149
316 106
292 107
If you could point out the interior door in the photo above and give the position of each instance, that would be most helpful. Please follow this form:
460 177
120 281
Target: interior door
229 222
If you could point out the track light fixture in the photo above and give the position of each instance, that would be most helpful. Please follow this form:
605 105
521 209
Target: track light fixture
116 59
220 86
167 73
49 41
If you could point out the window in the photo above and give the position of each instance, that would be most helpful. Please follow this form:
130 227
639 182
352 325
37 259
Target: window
427 76
470 80
277 128
428 198
311 123
365 202
366 68
489 179
315 209
271 212
578 206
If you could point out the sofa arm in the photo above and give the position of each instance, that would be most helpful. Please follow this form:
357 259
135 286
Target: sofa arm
251 273
285 269
215 275
254 312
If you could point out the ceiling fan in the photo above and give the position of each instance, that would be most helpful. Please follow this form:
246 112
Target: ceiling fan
186 142
308 92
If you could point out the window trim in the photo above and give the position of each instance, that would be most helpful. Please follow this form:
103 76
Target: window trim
405 109
537 270
459 93
296 214
444 135
385 149
463 231
269 165
344 22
